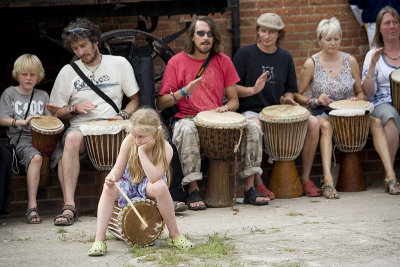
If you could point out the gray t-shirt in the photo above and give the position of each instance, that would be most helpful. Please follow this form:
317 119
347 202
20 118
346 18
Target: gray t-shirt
14 105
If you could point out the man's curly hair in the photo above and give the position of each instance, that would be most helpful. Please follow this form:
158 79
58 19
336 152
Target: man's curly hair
92 32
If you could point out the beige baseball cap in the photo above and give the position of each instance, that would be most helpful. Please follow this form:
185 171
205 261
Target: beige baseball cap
270 21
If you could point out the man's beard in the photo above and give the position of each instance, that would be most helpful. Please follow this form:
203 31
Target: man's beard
204 51
92 59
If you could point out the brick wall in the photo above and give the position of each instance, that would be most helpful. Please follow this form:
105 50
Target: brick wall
300 17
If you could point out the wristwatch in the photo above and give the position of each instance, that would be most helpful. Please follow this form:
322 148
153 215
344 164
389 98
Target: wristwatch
72 110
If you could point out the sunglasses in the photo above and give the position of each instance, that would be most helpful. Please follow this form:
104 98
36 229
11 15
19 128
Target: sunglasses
77 31
202 33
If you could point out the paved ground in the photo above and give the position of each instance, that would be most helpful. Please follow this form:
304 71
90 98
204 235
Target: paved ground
359 229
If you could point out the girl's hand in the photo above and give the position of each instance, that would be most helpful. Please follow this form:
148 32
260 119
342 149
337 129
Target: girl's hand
148 146
110 180
376 55
324 100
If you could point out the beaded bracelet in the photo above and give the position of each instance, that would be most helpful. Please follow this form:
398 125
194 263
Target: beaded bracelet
172 96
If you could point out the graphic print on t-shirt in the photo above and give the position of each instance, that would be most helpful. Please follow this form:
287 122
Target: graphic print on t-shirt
270 76
37 107
102 82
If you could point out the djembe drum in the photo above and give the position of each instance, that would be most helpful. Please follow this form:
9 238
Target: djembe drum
125 224
395 89
46 131
285 128
220 136
350 122
103 140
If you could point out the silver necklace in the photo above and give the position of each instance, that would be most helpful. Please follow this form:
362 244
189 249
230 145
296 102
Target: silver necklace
92 77
392 58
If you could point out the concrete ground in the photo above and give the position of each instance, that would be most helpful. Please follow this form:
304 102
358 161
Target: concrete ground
359 229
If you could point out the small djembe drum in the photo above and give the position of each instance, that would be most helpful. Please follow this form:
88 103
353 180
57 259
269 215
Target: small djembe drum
126 225
220 136
46 131
285 128
350 122
103 140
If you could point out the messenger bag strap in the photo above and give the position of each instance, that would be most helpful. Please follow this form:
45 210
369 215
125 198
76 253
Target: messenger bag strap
94 87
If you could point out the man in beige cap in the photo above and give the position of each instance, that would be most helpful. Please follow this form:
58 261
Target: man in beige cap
267 77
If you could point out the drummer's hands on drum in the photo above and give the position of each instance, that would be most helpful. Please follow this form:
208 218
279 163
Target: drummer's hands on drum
26 122
288 101
222 109
323 100
84 107
354 98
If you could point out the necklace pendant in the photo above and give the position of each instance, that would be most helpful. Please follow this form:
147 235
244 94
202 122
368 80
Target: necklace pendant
92 77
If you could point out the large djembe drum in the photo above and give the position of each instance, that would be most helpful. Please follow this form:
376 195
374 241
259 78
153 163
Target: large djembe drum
220 136
350 122
46 131
126 225
285 128
103 140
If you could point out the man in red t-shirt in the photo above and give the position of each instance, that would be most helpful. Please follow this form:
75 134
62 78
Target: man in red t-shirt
191 95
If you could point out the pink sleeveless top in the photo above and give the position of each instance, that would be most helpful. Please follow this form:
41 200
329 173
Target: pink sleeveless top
338 87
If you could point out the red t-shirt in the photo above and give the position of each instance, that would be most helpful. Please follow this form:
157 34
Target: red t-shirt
182 69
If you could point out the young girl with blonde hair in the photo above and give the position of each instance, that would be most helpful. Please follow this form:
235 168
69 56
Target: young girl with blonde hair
142 171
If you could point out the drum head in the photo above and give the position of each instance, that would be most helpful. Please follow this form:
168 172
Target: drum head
47 123
102 127
214 119
349 104
395 75
284 113
133 228
350 108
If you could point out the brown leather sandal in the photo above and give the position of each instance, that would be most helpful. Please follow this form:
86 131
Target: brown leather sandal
70 219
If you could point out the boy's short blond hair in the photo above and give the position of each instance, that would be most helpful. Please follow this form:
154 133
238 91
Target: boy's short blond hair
28 62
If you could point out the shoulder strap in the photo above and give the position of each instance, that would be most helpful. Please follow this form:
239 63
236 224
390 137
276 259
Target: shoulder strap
94 87
26 115
204 66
